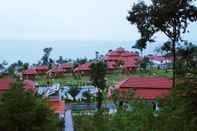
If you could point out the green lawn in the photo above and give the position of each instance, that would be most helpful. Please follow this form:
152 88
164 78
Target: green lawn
112 78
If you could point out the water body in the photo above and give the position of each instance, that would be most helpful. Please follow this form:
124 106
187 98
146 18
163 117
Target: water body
31 50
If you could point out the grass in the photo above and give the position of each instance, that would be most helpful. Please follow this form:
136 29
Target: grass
112 78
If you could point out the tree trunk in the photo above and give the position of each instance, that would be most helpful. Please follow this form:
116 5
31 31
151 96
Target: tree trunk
99 100
174 63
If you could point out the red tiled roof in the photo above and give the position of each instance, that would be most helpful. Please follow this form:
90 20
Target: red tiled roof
29 86
5 84
83 67
159 58
147 82
30 71
56 69
110 66
129 65
66 66
57 106
147 87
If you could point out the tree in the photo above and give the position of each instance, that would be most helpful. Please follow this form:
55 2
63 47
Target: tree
97 76
45 59
186 62
21 111
140 45
87 96
145 63
60 60
170 17
74 91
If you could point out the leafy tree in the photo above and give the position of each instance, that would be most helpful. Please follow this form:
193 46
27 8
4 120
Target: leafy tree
60 60
169 17
97 76
140 45
145 63
88 97
21 111
74 91
46 57
186 62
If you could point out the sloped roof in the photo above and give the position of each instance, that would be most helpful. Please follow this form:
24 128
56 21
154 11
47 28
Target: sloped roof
57 106
29 86
159 58
147 82
30 71
83 67
66 66
56 69
5 84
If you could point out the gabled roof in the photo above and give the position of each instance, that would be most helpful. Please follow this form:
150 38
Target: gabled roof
57 106
83 67
147 82
159 58
66 66
5 84
129 65
30 71
29 86
56 69
110 65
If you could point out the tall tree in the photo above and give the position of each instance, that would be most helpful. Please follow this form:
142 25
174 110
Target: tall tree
74 91
170 17
21 111
97 76
46 57
60 60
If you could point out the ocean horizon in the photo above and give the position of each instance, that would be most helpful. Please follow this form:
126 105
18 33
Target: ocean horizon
31 50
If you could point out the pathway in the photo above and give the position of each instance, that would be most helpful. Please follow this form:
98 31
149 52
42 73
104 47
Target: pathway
68 121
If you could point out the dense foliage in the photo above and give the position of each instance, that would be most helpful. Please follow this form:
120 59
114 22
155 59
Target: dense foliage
97 76
21 111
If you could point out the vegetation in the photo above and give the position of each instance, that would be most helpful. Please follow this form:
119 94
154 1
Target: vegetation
21 111
169 17
97 76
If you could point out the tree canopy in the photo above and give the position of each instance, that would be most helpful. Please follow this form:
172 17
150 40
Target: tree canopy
21 111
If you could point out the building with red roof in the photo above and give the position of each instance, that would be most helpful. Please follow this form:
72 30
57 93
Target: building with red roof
83 68
57 106
161 62
120 55
41 69
148 88
29 86
5 84
56 71
129 66
66 67
29 74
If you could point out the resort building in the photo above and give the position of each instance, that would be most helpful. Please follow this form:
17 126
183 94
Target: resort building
29 74
127 60
41 69
148 88
160 62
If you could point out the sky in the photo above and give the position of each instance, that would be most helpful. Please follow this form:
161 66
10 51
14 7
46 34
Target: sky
74 28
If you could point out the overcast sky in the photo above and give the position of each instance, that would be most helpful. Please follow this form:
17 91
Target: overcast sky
30 25
65 19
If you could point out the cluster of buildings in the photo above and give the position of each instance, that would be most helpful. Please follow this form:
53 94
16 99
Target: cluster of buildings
148 88
120 58
117 59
